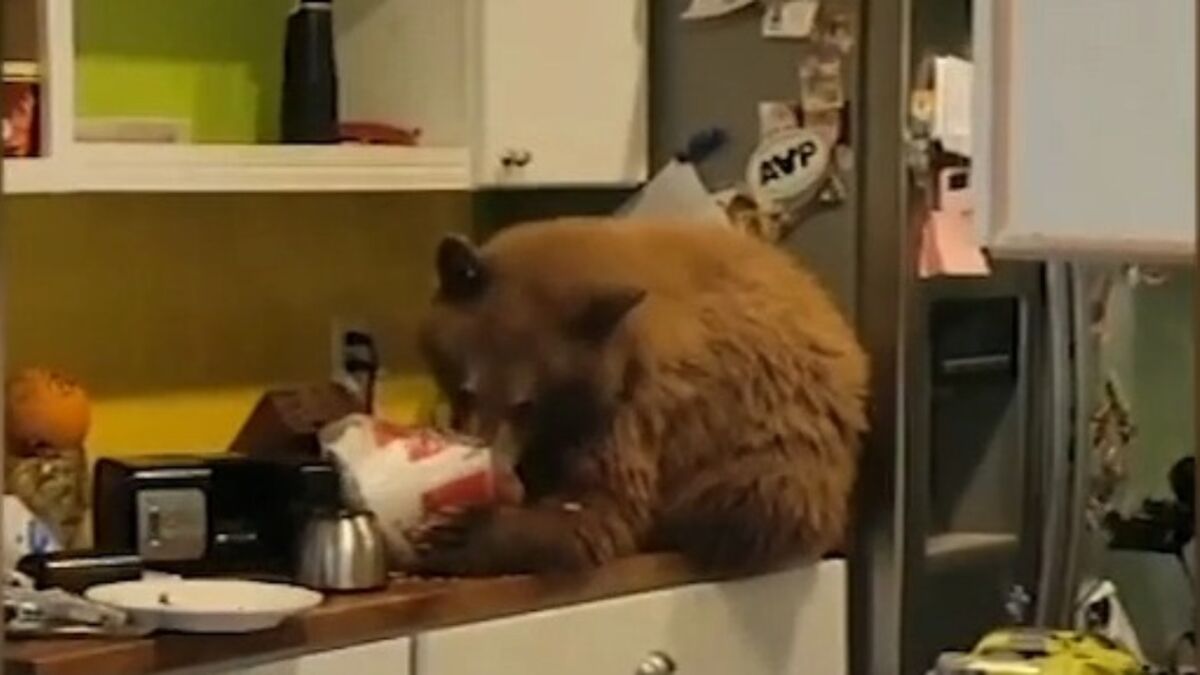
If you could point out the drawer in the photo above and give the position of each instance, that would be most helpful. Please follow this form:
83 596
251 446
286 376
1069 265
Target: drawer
385 657
789 622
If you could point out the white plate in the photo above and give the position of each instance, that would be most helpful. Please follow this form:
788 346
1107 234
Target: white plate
206 605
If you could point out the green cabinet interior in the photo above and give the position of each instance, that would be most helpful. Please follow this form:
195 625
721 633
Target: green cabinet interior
216 63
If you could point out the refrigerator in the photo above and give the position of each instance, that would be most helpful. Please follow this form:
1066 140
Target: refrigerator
976 479
969 511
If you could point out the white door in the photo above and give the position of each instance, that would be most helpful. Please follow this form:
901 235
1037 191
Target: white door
1085 127
558 92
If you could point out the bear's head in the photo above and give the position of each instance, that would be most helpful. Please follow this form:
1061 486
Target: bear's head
527 350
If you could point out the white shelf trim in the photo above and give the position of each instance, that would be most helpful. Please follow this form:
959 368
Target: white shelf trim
133 167
36 175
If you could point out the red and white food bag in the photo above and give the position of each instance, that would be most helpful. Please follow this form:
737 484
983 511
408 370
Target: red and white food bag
404 474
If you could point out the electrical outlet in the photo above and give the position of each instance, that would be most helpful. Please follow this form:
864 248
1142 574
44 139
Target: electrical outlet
339 326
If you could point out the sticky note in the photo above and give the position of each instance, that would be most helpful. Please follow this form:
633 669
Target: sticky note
708 9
790 18
952 104
949 247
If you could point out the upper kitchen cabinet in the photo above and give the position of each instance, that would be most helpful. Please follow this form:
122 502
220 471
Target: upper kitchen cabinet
1085 127
145 96
560 92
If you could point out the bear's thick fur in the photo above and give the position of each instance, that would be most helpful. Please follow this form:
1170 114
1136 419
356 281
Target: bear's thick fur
668 386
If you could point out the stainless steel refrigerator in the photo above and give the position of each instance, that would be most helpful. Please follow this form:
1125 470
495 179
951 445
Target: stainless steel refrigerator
973 496
970 501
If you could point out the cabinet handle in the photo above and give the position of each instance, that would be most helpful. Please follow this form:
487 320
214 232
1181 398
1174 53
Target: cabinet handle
517 158
657 663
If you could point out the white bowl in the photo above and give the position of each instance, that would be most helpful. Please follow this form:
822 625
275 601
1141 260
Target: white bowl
206 605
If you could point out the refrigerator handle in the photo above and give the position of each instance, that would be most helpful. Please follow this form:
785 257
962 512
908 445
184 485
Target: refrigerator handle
1079 523
1053 596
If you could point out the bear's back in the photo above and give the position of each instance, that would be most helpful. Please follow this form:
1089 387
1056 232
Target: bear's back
699 279
661 257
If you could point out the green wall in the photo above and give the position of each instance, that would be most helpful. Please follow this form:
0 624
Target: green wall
176 311
217 63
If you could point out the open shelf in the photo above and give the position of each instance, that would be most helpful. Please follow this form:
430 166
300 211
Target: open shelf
467 79
136 167
40 31
103 64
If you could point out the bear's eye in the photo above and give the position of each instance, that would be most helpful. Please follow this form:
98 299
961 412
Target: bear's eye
521 412
462 406
464 398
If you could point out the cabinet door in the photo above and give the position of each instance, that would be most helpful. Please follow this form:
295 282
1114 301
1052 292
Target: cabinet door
1085 127
385 657
559 92
791 622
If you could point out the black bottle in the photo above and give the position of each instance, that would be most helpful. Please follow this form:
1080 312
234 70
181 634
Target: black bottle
309 109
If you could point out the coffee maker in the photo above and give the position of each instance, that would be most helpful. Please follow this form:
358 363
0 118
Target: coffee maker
207 515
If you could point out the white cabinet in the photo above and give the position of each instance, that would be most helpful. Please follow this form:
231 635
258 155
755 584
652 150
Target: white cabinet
559 95
386 657
1085 127
790 622
505 93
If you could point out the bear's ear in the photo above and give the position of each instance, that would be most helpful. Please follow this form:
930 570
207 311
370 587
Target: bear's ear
462 274
602 312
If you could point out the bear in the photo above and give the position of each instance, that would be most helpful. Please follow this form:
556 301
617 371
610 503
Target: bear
668 386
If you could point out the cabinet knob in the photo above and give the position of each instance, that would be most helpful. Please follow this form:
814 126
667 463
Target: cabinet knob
657 663
516 158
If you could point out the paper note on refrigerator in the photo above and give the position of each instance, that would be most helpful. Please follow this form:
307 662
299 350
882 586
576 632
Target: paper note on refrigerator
949 242
675 193
708 9
949 247
790 18
952 104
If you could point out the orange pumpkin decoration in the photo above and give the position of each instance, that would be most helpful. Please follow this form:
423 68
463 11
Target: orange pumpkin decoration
45 409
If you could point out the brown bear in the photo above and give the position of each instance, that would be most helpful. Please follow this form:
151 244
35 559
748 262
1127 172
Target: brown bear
676 387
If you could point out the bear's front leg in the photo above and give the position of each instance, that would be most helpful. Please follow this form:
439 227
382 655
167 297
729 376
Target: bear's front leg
600 510
555 535
502 540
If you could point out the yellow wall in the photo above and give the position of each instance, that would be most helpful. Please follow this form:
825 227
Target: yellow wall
177 311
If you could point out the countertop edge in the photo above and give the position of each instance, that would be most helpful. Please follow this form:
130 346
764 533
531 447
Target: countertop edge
408 607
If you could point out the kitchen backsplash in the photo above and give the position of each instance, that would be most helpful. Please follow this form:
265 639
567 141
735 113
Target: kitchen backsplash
177 311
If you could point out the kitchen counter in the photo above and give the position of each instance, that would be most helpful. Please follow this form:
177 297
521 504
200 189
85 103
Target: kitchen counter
406 607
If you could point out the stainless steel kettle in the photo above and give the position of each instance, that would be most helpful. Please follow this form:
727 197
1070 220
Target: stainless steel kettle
342 550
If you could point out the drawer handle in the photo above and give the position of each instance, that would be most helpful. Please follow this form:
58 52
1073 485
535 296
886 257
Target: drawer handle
517 158
657 663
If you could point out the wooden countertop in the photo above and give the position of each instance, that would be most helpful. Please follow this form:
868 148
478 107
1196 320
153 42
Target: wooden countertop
406 607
